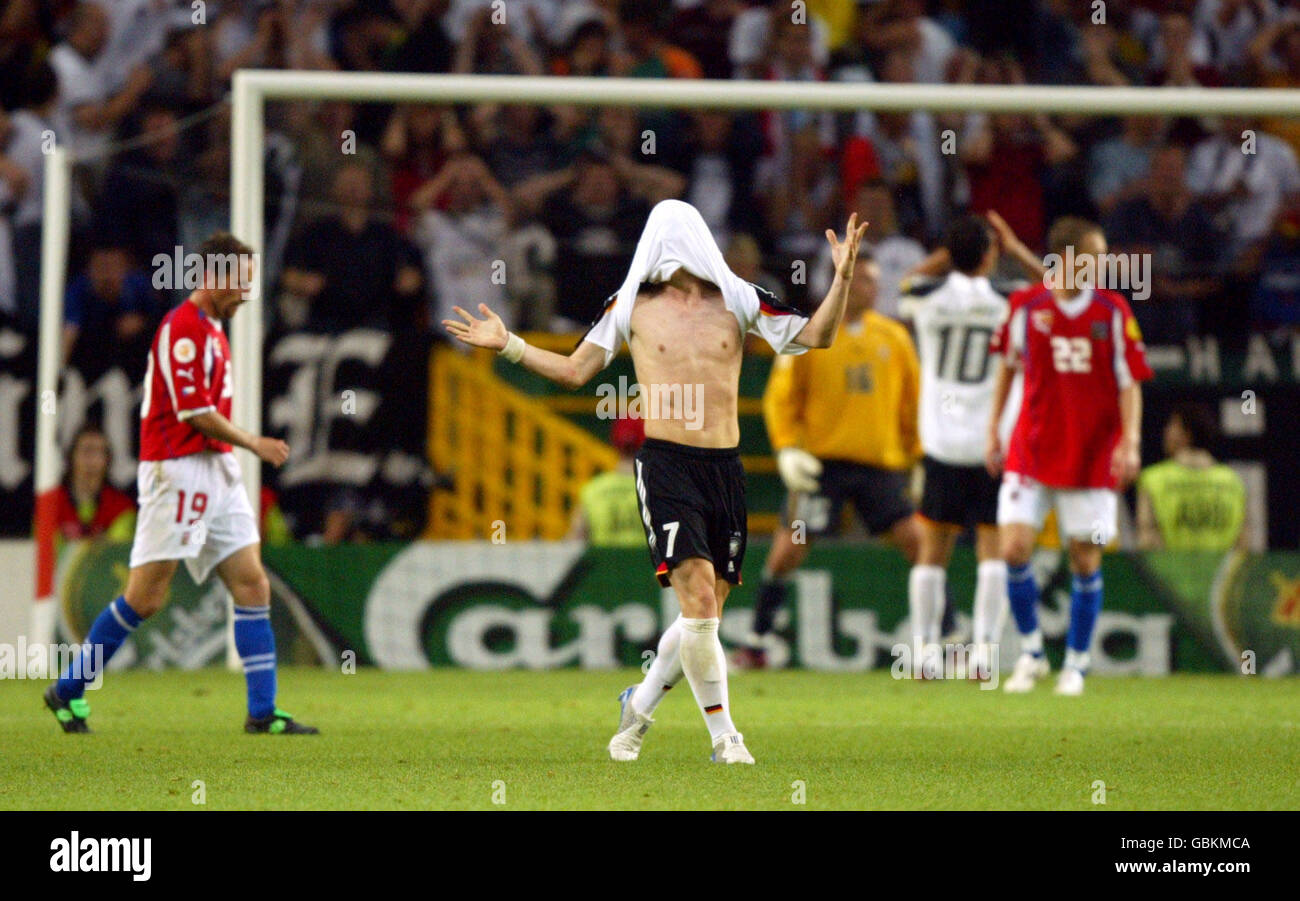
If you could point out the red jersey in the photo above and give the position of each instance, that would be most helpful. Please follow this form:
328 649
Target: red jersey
1076 356
189 373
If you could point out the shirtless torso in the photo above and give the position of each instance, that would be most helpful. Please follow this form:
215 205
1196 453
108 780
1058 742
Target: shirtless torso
686 347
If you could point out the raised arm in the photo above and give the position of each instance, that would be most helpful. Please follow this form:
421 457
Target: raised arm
825 321
572 371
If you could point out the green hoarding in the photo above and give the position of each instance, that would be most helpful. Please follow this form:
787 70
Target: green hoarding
540 605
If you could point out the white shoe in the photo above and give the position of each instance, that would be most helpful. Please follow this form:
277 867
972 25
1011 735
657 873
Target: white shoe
1070 682
1029 669
731 749
632 727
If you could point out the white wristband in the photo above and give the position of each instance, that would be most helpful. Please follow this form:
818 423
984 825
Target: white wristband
514 349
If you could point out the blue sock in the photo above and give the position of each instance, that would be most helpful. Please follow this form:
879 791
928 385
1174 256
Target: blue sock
256 646
109 630
1085 604
1022 592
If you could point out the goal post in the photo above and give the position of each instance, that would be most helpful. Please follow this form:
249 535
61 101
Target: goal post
253 87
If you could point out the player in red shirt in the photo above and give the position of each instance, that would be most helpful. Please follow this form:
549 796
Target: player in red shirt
1075 443
193 506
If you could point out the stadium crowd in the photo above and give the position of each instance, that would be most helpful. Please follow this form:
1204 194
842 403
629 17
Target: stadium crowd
422 200
388 215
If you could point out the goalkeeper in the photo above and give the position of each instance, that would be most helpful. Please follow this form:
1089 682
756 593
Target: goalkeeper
843 424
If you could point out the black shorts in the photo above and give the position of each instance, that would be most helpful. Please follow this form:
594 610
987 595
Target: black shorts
959 495
878 495
692 502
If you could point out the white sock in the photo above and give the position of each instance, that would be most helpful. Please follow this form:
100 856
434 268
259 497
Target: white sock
665 671
1032 643
925 585
990 601
1077 659
705 666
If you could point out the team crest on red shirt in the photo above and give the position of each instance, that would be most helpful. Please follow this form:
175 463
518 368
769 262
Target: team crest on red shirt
1042 320
1101 330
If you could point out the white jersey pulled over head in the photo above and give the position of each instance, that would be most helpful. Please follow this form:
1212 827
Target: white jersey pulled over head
955 319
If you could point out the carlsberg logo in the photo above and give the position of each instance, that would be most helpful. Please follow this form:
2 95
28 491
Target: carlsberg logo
103 855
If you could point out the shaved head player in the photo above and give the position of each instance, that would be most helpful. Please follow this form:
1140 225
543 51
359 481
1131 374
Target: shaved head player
684 315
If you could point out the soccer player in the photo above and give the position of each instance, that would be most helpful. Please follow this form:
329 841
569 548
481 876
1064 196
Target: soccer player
684 315
1076 440
844 428
192 502
955 318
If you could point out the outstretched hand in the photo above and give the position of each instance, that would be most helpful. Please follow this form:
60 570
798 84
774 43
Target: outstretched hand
845 253
489 332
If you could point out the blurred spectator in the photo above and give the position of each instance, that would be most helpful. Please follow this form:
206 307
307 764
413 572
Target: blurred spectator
1118 165
583 42
14 183
417 143
350 269
648 53
596 219
751 38
1164 221
520 144
1243 175
181 72
1190 502
461 218
139 203
894 254
1275 61
607 514
1230 26
108 315
906 150
797 204
717 155
1276 300
26 27
492 48
422 44
328 136
91 107
902 25
1181 55
528 20
704 31
285 34
85 505
745 258
137 31
1008 157
28 133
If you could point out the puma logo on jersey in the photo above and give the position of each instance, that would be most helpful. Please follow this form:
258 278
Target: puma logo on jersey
186 373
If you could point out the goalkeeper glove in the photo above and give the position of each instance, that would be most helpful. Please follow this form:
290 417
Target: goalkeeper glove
799 470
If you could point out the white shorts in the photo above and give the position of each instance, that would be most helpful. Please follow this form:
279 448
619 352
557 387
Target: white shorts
1085 514
193 509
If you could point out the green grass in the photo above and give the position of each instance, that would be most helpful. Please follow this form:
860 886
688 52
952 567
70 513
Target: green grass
441 739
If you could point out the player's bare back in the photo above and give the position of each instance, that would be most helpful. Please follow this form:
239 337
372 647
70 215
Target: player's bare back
686 347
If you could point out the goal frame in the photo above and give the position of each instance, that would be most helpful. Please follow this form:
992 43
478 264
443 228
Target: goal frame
251 89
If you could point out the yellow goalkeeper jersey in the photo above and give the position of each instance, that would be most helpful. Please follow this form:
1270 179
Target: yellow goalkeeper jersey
855 400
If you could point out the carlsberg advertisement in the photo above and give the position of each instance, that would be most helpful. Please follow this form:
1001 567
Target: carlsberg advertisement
539 605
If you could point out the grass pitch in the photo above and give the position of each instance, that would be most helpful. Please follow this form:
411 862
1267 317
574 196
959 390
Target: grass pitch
450 739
